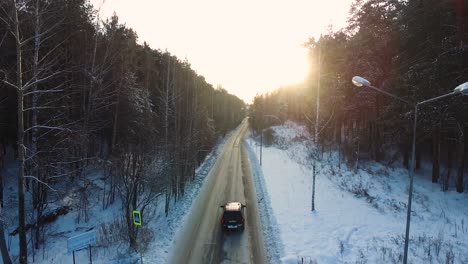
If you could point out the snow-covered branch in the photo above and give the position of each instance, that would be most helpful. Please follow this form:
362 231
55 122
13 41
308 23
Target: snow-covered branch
5 22
48 127
42 91
47 185
5 81
33 82
24 42
3 39
42 107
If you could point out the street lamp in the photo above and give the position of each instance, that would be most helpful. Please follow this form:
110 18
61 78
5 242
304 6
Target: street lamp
461 89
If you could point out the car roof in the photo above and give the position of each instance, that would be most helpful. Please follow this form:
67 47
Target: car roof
233 206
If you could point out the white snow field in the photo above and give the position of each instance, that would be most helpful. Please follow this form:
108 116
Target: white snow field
360 217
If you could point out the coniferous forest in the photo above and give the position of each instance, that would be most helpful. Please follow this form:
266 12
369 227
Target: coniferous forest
416 50
82 96
77 92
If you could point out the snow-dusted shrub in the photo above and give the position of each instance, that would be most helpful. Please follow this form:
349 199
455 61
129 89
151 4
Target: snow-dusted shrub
395 205
383 171
116 234
268 137
145 238
424 248
113 233
341 247
437 243
449 255
362 259
388 251
359 190
302 260
348 153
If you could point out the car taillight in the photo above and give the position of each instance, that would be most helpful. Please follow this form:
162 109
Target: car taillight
242 220
222 220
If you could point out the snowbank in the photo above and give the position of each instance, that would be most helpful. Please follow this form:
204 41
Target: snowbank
360 217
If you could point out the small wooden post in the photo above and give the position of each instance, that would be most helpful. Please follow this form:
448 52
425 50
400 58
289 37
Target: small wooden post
90 258
73 256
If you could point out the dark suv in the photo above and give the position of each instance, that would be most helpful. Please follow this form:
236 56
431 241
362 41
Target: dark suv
233 216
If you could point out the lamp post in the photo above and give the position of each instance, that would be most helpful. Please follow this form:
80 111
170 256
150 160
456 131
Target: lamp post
261 136
461 89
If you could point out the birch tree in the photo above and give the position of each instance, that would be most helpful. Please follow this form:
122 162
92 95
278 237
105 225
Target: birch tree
14 24
3 245
41 73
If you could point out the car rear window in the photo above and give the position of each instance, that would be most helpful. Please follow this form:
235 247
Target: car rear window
232 215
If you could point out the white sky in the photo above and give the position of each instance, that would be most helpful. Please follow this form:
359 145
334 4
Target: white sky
247 46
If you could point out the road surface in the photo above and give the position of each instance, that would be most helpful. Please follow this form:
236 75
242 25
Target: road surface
201 239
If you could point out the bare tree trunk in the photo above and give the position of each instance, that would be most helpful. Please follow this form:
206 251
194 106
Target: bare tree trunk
23 257
114 125
37 190
405 155
3 247
357 154
313 187
377 142
418 156
2 162
340 143
166 98
369 128
167 201
130 226
435 153
193 139
166 105
461 162
177 150
37 43
449 167
133 206
117 104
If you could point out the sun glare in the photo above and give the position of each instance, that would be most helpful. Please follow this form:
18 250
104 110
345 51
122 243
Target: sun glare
248 47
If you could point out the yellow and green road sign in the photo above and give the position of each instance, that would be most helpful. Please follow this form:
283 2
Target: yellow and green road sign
136 218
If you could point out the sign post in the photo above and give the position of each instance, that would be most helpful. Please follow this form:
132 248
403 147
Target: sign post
90 258
81 241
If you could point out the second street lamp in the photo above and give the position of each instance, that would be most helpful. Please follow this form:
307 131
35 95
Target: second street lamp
461 89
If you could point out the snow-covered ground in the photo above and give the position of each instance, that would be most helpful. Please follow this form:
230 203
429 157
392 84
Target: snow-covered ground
110 249
360 217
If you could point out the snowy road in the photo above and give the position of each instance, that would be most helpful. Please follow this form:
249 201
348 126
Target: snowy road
201 239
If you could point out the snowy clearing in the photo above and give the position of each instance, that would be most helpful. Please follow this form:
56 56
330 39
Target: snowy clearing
360 217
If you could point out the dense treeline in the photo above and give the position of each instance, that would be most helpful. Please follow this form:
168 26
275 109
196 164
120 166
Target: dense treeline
414 49
88 95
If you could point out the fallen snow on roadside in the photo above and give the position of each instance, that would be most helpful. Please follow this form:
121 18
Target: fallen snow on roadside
360 217
273 247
